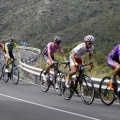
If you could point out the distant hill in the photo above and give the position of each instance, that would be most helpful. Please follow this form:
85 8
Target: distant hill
38 21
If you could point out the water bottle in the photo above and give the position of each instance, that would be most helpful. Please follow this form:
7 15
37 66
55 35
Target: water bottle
51 77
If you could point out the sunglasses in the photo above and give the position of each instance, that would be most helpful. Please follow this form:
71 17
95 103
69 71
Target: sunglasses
90 43
58 43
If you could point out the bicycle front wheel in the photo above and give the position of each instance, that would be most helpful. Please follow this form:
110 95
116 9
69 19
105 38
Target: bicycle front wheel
44 82
15 76
106 95
87 91
58 88
5 74
66 92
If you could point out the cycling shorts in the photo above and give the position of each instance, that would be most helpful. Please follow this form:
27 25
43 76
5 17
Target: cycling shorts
10 54
112 63
46 58
78 60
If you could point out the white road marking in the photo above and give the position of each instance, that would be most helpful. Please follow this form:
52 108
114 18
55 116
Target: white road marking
48 107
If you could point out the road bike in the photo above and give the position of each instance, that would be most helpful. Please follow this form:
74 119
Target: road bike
106 95
51 79
13 72
82 85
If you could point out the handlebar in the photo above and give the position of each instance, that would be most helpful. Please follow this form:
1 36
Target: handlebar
67 63
87 64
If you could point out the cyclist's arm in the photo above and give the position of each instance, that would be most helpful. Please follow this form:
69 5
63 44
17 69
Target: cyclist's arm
18 54
16 48
63 56
90 57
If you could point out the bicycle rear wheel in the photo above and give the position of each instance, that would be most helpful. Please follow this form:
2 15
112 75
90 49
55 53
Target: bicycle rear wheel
87 90
106 95
4 74
0 70
66 92
44 81
15 75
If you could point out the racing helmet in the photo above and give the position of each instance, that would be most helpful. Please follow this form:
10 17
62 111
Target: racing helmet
12 39
89 38
57 39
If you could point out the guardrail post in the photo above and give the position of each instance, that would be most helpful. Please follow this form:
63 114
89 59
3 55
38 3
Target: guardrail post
24 73
36 79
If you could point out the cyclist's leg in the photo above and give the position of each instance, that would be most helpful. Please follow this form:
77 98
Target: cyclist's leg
116 68
6 62
48 63
73 68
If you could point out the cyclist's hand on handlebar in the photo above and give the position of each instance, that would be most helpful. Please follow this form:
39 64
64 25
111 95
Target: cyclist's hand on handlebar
91 64
76 64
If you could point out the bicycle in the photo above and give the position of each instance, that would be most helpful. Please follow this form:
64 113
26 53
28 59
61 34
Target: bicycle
106 95
83 86
13 71
49 79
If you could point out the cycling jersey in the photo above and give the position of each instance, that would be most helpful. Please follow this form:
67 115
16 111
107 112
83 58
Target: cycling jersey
81 50
10 47
114 56
52 48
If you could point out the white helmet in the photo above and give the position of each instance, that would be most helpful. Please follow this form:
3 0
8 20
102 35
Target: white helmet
57 39
89 38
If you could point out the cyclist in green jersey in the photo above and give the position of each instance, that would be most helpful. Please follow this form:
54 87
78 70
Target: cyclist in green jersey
9 46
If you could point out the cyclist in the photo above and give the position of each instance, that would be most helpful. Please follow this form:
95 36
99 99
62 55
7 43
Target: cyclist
114 62
78 53
49 51
9 46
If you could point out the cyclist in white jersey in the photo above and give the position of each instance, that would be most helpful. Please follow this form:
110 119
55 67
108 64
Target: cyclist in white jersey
78 53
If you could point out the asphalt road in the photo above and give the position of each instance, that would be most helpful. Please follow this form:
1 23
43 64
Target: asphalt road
26 101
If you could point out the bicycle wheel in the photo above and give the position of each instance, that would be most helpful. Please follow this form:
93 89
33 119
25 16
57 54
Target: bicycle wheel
58 89
44 81
15 75
4 74
106 95
87 90
0 71
66 92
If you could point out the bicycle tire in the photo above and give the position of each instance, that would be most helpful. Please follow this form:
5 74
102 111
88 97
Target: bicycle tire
59 83
15 75
43 82
87 91
66 92
0 71
106 95
4 74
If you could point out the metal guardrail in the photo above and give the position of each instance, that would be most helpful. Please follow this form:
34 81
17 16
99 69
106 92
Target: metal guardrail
36 71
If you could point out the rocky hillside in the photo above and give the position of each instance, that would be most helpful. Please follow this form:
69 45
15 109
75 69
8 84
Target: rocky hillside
37 21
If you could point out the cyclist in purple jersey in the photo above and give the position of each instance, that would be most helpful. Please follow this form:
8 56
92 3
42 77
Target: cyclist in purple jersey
49 51
114 62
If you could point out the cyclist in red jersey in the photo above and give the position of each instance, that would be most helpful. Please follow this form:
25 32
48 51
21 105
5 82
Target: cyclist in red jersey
78 53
